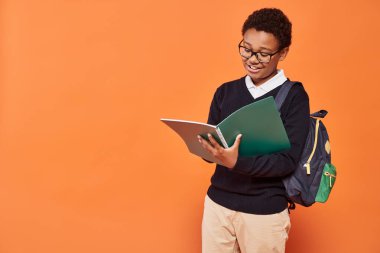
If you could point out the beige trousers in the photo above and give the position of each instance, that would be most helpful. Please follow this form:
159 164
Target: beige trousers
228 231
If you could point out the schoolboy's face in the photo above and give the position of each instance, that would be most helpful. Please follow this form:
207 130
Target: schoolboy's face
266 43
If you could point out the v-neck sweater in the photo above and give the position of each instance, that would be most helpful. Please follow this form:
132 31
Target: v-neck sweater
255 185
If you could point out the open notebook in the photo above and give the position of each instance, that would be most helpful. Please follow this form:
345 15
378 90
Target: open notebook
259 123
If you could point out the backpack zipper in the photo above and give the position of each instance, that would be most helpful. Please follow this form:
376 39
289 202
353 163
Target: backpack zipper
331 176
307 164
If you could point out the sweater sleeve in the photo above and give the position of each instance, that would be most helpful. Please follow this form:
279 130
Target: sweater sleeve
296 123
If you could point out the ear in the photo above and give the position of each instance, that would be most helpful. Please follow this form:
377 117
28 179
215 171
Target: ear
283 53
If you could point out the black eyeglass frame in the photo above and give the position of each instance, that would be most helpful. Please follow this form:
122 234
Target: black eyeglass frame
255 53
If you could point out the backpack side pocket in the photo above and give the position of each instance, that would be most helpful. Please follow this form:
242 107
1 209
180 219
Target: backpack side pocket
327 182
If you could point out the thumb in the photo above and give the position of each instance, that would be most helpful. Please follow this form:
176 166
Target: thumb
237 140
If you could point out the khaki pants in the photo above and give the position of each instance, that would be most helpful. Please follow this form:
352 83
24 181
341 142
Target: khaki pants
228 231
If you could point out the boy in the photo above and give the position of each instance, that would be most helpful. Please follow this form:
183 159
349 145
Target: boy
246 205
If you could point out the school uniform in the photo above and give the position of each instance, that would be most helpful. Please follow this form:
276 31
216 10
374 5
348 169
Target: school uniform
246 207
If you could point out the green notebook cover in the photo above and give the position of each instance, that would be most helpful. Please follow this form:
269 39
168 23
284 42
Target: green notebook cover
261 126
259 123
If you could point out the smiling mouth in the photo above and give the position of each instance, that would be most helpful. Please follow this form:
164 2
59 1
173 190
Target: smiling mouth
253 68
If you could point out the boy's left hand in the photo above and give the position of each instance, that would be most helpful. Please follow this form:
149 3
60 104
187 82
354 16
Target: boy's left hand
228 156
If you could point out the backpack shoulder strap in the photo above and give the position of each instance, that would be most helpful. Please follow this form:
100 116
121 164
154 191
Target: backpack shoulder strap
283 92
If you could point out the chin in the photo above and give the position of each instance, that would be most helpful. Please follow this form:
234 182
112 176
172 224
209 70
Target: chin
258 79
254 76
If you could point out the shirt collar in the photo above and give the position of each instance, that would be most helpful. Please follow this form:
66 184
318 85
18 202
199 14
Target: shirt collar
270 84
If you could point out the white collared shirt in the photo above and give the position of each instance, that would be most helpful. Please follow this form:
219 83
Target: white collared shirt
258 91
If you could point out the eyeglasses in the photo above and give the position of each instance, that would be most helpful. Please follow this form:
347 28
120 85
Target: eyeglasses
260 56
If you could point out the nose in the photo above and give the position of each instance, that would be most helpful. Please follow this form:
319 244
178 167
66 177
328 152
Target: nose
253 59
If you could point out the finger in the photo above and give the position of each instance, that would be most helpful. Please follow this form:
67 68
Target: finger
206 145
214 142
237 140
203 140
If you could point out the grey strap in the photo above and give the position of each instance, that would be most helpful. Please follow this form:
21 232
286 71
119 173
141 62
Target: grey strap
283 92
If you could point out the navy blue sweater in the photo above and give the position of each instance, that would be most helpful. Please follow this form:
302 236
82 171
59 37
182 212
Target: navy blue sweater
255 185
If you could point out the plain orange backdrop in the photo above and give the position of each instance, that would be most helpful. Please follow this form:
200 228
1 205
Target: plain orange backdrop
85 163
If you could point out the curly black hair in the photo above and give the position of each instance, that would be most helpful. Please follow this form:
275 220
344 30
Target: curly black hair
271 20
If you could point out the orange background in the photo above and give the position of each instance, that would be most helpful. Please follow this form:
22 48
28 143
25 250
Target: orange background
86 165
